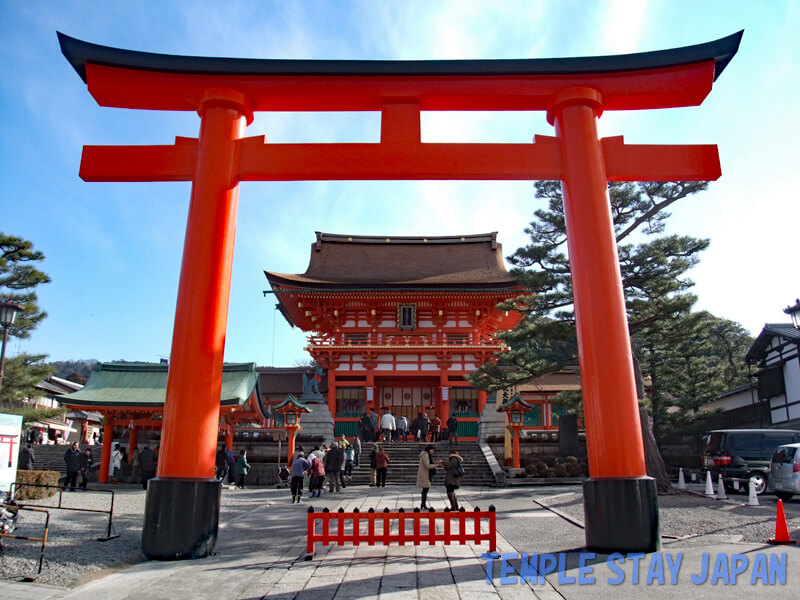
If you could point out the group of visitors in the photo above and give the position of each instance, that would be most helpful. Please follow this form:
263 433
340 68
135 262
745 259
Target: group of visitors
454 471
390 429
331 468
325 466
234 469
142 464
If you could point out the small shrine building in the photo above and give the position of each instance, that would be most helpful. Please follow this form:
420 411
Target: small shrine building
131 397
398 322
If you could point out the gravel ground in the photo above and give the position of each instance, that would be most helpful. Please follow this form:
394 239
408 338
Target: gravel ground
73 555
688 515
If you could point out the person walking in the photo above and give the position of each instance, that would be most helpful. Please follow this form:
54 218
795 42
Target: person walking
26 458
317 473
221 463
356 452
436 426
231 465
73 459
452 430
427 466
115 464
242 468
147 461
373 465
421 428
349 461
299 468
402 428
373 420
86 467
454 471
136 467
382 463
387 426
365 427
334 461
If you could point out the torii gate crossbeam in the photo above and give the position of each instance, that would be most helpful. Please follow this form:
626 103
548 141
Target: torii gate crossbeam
620 500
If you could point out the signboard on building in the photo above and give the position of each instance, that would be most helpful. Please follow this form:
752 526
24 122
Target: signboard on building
10 440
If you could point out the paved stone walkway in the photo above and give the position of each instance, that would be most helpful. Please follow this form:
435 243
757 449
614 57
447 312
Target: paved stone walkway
261 554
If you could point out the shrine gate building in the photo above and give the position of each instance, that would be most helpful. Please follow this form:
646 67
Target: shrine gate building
399 321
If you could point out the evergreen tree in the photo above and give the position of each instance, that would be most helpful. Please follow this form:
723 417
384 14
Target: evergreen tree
19 278
22 373
653 268
653 275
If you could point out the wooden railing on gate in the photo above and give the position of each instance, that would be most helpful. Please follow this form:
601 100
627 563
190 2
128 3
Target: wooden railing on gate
380 527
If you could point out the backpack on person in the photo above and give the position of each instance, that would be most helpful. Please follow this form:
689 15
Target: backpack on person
458 470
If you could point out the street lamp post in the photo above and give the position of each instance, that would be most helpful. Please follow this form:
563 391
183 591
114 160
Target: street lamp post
515 408
794 313
291 408
8 312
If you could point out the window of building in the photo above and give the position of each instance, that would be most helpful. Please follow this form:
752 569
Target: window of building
356 339
350 402
463 400
457 339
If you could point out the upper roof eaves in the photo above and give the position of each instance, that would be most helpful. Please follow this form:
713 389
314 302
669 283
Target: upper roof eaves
79 53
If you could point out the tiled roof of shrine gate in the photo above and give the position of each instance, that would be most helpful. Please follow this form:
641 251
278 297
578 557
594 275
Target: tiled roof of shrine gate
375 262
144 385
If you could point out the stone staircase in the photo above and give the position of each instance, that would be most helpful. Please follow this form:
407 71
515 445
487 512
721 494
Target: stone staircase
404 463
51 457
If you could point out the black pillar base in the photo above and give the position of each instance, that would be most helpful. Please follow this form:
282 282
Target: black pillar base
181 518
621 515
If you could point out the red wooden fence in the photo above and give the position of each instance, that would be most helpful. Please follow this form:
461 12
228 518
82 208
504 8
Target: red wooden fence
393 527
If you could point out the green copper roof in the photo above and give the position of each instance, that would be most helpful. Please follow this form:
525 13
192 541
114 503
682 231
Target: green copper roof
143 385
515 399
291 400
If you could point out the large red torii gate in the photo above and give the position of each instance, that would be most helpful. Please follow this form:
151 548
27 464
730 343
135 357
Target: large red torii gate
620 502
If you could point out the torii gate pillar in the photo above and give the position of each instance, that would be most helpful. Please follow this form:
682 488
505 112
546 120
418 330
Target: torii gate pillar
620 501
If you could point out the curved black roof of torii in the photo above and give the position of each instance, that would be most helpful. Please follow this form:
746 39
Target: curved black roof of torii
78 53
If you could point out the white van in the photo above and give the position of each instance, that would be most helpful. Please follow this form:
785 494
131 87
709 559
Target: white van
784 471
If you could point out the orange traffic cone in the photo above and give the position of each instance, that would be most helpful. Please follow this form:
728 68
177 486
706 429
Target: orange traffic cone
781 529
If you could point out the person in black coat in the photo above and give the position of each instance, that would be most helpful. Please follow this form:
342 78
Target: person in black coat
86 466
72 458
333 461
147 460
26 458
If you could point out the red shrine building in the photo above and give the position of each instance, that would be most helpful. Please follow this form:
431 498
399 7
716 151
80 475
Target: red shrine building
398 322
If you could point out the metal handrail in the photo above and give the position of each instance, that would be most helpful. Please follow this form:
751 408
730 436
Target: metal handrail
42 539
18 485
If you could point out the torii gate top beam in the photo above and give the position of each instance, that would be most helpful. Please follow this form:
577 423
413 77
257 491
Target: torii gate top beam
661 79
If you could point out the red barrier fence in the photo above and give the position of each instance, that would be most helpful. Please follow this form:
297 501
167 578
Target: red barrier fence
393 527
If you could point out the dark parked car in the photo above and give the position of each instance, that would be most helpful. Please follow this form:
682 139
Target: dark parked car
745 453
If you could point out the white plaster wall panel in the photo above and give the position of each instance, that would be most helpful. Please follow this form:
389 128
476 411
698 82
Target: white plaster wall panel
791 377
779 415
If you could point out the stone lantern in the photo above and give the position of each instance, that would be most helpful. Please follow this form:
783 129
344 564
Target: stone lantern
515 409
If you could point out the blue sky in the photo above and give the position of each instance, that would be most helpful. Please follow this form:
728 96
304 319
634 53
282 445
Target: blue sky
114 249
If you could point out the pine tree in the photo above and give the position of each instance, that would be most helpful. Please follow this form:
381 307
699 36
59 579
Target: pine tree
653 268
19 278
